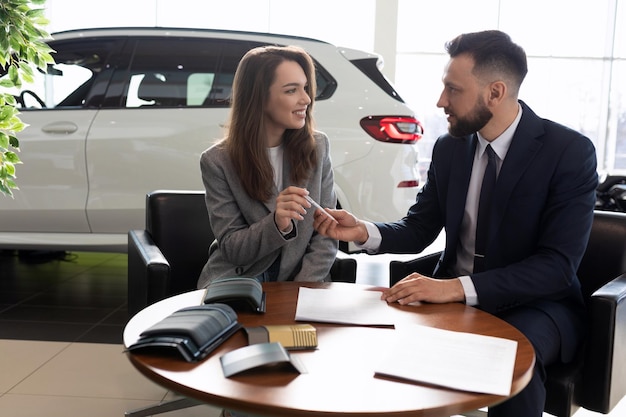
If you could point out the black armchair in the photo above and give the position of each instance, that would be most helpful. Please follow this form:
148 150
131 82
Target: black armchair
596 380
166 258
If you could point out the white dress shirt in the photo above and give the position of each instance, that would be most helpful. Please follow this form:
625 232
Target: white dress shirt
276 159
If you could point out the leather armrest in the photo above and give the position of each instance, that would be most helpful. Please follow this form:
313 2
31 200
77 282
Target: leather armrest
605 361
148 271
343 270
424 265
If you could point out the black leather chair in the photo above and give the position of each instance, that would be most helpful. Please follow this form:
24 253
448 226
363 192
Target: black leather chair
162 90
595 381
166 258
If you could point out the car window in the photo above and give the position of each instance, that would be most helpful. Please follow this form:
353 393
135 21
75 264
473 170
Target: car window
143 73
180 72
369 67
187 72
68 82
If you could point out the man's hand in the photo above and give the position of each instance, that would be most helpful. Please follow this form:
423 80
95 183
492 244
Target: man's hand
347 228
416 287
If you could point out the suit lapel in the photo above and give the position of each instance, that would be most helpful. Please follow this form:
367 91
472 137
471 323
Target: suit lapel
524 147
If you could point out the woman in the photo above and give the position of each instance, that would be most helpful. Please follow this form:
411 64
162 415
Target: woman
257 178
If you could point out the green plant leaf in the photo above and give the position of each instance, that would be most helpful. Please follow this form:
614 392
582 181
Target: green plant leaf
14 142
12 184
7 112
5 187
4 141
10 168
18 125
22 47
26 73
12 158
4 45
6 82
14 76
33 13
9 99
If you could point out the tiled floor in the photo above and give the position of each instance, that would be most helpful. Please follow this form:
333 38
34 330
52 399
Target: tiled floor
61 322
61 353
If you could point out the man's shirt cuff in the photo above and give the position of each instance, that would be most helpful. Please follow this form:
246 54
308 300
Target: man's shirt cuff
372 243
471 298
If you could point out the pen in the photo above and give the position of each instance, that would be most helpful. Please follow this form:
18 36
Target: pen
314 204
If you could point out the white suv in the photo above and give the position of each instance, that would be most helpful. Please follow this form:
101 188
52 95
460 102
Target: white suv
126 111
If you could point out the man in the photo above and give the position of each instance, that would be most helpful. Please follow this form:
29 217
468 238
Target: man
539 218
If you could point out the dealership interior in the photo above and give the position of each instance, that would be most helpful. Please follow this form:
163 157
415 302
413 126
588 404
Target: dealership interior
62 314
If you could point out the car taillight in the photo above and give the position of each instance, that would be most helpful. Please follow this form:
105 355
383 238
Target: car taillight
394 129
409 184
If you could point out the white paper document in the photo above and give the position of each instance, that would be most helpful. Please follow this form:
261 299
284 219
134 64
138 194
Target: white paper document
343 306
462 361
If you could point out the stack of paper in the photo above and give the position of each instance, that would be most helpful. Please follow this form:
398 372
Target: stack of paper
458 360
343 306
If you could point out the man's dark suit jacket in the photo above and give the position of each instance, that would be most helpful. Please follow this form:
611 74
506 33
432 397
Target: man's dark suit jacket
539 226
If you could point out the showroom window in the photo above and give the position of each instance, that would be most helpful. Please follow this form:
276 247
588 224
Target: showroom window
577 63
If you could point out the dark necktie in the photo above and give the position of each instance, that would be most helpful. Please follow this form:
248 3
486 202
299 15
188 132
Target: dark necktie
484 205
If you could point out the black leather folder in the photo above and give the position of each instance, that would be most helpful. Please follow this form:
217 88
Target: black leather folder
192 332
241 293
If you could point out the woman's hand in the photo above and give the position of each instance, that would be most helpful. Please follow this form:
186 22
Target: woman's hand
290 205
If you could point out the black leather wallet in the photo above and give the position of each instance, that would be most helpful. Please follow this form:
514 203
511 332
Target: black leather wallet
242 294
192 332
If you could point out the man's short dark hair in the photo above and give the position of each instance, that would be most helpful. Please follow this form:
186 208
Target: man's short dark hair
493 52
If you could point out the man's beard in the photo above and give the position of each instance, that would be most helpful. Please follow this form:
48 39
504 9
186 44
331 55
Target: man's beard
473 122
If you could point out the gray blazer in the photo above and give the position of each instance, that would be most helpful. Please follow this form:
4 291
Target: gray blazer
248 239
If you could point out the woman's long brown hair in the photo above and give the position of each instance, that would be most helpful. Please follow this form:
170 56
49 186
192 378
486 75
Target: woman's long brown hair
246 139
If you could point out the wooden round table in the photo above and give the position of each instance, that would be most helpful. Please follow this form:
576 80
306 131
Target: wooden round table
340 378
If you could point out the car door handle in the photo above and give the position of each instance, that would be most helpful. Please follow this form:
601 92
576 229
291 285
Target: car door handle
60 128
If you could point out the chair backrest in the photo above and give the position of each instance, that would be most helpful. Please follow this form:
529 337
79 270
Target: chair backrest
179 225
162 90
605 256
594 380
